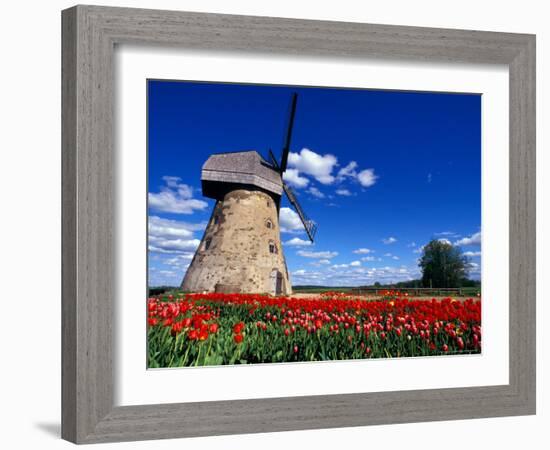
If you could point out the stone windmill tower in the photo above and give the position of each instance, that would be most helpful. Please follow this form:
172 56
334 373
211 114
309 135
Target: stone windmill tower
241 248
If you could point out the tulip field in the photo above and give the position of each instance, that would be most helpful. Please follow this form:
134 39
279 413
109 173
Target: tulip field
215 329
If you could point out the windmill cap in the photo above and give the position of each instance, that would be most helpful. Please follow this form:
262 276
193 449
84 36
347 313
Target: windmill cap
222 171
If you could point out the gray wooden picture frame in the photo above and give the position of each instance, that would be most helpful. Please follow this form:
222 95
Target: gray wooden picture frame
89 35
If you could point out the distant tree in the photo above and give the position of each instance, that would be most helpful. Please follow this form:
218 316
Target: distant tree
443 265
471 283
377 284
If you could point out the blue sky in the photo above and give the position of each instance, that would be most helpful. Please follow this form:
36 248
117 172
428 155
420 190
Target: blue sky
380 172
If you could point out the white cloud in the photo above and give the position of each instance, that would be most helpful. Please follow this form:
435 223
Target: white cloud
363 251
174 182
345 275
289 221
322 254
367 177
154 249
169 236
168 273
292 176
344 192
369 258
445 241
321 262
429 177
163 245
178 259
412 244
168 266
389 240
175 197
348 171
353 264
475 270
447 233
158 226
316 192
470 254
297 242
311 163
392 256
178 263
474 239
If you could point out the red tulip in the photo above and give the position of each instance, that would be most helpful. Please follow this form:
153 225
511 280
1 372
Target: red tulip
203 335
199 316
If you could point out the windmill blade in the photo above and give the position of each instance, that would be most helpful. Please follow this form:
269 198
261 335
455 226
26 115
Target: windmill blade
288 134
309 225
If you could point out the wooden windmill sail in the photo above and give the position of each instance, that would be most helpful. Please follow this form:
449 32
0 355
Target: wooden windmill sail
241 247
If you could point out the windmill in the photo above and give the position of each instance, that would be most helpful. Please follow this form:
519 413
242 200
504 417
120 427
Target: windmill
241 249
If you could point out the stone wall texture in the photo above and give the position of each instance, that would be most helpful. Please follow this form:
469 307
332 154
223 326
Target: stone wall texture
241 248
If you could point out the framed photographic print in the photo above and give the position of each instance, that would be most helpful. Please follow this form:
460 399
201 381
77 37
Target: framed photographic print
255 199
260 285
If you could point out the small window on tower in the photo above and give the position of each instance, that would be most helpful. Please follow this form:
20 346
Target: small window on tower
268 223
272 248
216 219
268 204
207 244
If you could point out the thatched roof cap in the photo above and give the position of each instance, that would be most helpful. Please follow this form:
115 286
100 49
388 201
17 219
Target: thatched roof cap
245 167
